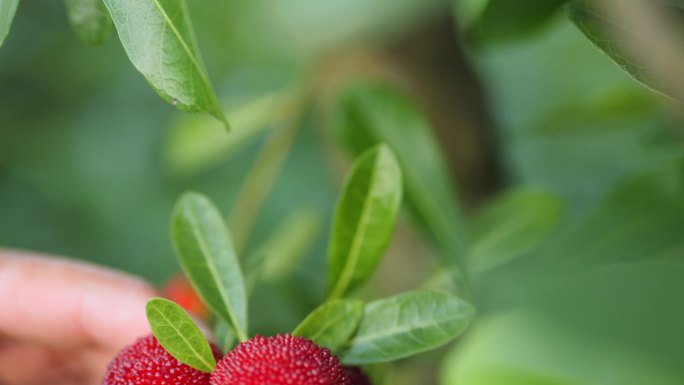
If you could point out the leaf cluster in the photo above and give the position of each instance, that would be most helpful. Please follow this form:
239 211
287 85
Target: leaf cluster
159 39
360 333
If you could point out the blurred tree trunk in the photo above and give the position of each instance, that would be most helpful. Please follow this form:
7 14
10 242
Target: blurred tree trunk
430 65
434 69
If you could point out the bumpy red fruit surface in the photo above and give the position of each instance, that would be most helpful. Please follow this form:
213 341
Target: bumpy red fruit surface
147 363
279 360
356 376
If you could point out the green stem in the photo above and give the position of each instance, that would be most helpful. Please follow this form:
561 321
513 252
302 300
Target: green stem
262 175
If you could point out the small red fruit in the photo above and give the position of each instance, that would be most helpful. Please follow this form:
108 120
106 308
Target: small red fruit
357 376
179 290
147 363
279 360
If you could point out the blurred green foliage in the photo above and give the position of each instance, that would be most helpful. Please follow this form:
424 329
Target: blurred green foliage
596 304
511 226
595 301
571 120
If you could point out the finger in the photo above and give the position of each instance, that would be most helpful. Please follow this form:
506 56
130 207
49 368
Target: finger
36 364
96 363
66 303
32 364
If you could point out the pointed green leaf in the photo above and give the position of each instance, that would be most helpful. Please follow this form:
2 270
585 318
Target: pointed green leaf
285 247
8 8
159 40
194 144
610 37
407 324
178 334
282 251
511 226
205 251
364 220
368 113
505 19
332 324
90 20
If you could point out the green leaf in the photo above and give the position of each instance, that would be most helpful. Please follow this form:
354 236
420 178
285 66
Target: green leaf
466 12
90 20
206 254
611 37
8 8
639 220
284 248
511 226
369 113
364 220
261 178
332 324
281 252
407 324
194 144
159 40
225 338
442 279
507 19
178 334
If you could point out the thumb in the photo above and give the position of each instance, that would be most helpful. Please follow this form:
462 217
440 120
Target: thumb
55 301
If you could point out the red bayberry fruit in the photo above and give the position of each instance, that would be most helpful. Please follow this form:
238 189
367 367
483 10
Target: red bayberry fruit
179 290
356 376
147 363
279 360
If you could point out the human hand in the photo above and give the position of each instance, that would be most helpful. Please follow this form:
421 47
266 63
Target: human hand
62 321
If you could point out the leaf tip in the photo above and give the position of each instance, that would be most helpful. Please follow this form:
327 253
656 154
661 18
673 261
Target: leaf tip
387 156
225 122
191 196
